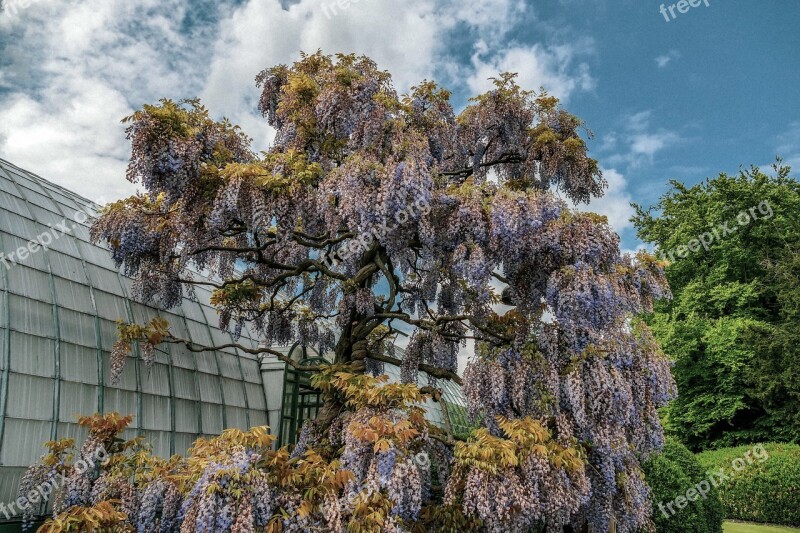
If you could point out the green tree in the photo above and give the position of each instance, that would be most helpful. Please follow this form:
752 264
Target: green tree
731 245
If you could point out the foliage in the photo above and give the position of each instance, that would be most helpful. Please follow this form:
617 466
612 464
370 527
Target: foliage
100 517
763 491
147 338
732 326
373 214
92 484
669 474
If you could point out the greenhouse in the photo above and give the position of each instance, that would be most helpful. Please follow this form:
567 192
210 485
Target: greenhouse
59 306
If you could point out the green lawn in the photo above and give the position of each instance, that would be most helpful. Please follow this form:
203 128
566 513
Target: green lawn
741 527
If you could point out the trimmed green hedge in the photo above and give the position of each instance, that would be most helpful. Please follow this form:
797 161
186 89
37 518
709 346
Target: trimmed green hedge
670 474
767 491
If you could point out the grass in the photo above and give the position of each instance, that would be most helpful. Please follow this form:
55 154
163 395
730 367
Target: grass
742 527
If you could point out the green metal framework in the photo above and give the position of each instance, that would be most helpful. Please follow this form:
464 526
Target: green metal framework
301 402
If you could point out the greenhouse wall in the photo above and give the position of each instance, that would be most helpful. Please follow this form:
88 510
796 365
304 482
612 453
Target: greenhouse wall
58 313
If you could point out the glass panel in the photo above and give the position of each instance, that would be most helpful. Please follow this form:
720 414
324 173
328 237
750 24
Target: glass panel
104 279
30 283
77 327
155 379
24 178
108 334
161 355
251 370
32 355
155 412
110 306
2 343
95 255
182 357
10 478
62 243
11 243
8 186
206 362
234 394
123 402
185 386
255 396
30 397
192 311
160 442
21 226
199 333
236 417
67 267
13 204
183 442
212 418
30 316
71 430
229 366
142 314
74 296
45 216
79 363
36 198
186 416
209 388
258 418
77 400
63 202
79 231
18 442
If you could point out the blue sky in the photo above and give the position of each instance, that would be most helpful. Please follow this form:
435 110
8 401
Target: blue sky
710 90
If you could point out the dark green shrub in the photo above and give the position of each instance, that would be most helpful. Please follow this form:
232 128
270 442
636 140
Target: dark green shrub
767 491
670 474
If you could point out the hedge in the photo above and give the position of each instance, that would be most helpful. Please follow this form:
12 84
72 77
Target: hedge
767 491
670 474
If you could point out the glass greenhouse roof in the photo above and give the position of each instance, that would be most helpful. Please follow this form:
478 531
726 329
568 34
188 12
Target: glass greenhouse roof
58 313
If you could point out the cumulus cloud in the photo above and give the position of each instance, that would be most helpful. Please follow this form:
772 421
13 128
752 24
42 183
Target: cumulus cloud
69 71
555 68
72 71
406 37
615 203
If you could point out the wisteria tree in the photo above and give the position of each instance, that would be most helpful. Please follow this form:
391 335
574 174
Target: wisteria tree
373 214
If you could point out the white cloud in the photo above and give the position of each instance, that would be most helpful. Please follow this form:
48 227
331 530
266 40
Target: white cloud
665 59
637 144
72 70
614 204
648 144
405 37
556 68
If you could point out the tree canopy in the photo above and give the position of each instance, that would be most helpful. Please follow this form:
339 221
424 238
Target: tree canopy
306 243
732 326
